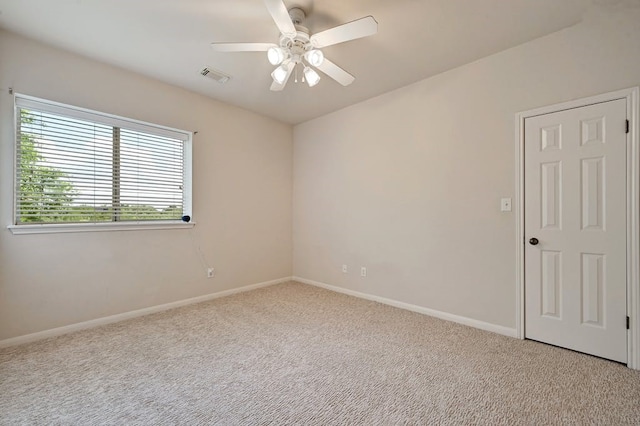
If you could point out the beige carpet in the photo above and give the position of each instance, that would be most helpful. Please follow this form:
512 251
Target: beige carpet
294 354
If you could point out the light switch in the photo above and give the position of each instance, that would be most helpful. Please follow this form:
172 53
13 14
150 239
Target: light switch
505 204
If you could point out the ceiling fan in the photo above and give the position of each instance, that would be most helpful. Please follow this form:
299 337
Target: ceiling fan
297 47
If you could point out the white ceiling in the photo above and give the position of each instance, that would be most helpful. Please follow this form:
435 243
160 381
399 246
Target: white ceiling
169 40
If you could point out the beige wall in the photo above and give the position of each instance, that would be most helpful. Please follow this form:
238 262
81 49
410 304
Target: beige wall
242 187
408 184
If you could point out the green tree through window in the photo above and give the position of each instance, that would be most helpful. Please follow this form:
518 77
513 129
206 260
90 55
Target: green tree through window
45 192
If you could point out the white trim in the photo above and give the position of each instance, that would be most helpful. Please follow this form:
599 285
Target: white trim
633 240
15 185
187 208
506 331
577 103
54 332
633 211
519 212
55 228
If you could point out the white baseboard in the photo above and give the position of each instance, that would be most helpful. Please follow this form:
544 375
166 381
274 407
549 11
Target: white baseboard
27 338
499 329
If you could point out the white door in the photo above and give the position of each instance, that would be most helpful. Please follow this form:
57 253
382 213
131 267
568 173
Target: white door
575 229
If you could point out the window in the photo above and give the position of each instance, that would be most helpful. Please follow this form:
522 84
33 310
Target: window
75 167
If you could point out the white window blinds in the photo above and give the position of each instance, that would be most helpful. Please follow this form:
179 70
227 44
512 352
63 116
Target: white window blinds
80 166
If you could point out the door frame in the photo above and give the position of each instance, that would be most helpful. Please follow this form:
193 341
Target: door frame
631 96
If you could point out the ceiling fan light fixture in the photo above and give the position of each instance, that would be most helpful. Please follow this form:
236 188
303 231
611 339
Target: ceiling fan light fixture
298 46
311 76
315 57
280 74
275 55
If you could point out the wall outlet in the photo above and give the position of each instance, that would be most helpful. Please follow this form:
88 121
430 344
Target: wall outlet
505 204
210 272
363 271
345 269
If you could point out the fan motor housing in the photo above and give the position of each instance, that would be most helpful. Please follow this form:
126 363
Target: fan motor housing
299 44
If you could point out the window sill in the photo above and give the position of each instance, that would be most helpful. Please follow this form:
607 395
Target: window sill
97 227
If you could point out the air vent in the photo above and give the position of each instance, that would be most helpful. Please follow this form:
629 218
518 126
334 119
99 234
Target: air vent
218 76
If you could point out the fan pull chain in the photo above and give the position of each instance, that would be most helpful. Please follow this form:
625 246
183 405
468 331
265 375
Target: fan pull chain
296 70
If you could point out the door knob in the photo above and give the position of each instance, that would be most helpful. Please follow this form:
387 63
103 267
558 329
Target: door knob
534 241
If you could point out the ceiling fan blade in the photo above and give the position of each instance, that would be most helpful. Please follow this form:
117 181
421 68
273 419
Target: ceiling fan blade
336 73
281 17
275 86
362 27
242 47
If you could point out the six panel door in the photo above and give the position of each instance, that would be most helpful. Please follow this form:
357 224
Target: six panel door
575 229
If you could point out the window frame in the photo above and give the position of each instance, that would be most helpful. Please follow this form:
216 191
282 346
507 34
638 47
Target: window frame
24 101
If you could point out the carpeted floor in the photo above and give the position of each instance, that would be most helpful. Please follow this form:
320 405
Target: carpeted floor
295 354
